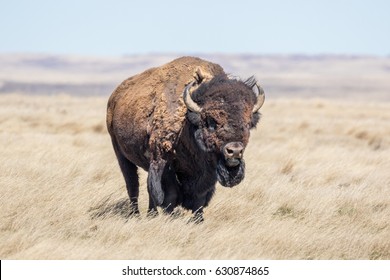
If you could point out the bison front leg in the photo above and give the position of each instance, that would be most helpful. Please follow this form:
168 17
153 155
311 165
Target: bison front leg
199 204
171 188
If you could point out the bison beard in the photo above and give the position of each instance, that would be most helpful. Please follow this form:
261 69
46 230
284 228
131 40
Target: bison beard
230 176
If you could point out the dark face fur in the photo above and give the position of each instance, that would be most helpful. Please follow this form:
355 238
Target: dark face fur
222 127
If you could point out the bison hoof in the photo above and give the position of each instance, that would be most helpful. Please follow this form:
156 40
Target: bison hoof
152 213
197 219
133 214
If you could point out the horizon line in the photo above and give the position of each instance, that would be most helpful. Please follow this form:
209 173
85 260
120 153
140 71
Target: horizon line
211 53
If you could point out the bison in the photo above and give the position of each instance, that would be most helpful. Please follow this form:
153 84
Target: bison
187 123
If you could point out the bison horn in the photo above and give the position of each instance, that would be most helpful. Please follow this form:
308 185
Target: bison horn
260 99
191 104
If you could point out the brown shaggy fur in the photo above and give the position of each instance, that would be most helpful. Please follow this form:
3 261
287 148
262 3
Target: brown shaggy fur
140 95
185 149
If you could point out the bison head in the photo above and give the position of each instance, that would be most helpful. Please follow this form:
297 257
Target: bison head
222 111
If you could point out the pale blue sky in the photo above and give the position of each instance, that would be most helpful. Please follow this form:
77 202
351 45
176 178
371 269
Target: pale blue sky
117 27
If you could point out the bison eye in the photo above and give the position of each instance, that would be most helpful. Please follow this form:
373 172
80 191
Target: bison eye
211 124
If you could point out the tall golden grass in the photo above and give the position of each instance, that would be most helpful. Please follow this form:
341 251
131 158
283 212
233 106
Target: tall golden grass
317 186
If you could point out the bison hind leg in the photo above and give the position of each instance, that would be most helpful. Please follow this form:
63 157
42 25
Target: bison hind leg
132 186
130 174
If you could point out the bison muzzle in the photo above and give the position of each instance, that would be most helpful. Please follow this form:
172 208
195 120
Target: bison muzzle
187 123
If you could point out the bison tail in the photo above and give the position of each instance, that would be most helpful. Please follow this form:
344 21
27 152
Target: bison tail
156 170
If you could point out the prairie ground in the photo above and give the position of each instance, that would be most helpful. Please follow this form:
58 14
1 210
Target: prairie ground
317 186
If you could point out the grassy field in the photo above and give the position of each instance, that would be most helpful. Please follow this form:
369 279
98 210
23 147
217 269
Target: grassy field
317 187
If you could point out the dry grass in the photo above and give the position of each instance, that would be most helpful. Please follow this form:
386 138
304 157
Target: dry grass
317 187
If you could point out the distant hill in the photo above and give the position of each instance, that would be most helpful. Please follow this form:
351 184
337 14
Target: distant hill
323 76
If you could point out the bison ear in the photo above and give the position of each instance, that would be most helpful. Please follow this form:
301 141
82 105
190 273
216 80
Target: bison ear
255 120
198 135
194 118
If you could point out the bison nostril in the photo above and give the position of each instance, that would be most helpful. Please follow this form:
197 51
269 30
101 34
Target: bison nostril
229 152
233 150
238 153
